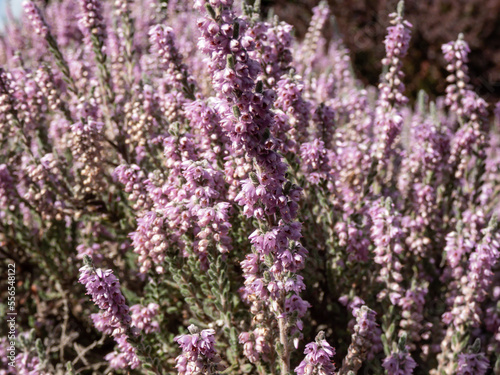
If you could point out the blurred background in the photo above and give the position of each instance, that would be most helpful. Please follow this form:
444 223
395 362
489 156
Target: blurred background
362 24
15 5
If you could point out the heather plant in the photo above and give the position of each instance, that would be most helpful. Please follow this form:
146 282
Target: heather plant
186 188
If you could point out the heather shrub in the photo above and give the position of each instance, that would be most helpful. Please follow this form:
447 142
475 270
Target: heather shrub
363 23
186 188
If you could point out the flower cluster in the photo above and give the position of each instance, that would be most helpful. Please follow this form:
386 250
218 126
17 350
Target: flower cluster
315 161
133 179
142 317
104 288
399 363
240 179
7 191
386 234
85 143
308 51
363 340
246 118
163 44
456 54
472 363
198 353
36 19
396 43
114 319
389 121
272 50
91 18
290 100
468 106
318 359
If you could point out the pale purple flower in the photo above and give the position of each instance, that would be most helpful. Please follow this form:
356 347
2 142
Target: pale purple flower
388 119
272 49
386 234
396 43
315 161
483 260
114 318
176 73
198 353
206 125
324 122
365 339
104 288
134 180
472 364
470 137
468 106
143 317
399 363
388 124
318 359
150 241
474 277
91 18
246 118
36 18
45 82
412 311
456 55
307 53
65 28
86 146
289 98
366 328
125 356
28 364
256 344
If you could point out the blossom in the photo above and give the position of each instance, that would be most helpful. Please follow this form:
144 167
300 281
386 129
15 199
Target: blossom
399 363
142 317
386 234
456 54
289 98
396 43
315 161
307 53
318 359
246 118
104 288
272 49
391 88
163 44
472 364
91 19
114 318
134 180
37 21
8 197
85 143
256 344
150 241
198 352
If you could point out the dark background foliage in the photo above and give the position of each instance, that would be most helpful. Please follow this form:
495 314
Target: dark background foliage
362 24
